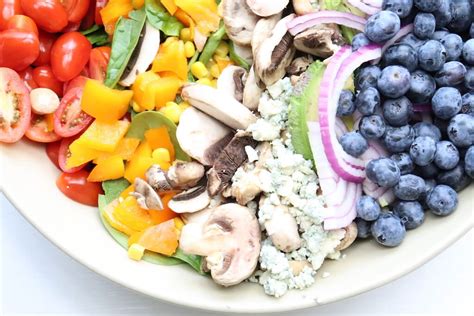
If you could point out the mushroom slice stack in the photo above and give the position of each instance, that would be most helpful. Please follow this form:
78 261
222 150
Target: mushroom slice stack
232 80
321 40
230 241
181 175
239 20
263 30
146 196
267 8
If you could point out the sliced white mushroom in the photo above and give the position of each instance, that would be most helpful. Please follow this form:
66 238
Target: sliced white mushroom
195 139
263 30
219 105
239 20
143 55
157 178
181 175
321 40
283 229
252 92
230 241
266 8
146 196
232 80
302 7
299 65
44 101
349 237
199 217
190 201
244 51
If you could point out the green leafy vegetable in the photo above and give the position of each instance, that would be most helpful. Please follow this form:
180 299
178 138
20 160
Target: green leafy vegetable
212 44
90 30
339 5
96 35
153 119
126 36
160 18
236 58
113 188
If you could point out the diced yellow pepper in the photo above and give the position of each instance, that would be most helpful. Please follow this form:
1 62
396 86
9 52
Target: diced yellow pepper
132 215
204 12
205 81
137 167
199 70
104 136
222 50
139 87
127 191
222 62
164 89
214 83
125 149
215 71
103 103
173 111
161 154
108 213
172 57
80 154
160 138
113 11
136 252
108 169
144 149
170 6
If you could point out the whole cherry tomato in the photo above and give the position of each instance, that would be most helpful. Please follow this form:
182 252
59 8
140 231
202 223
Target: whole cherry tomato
8 8
89 19
69 54
44 78
76 187
22 23
98 62
46 40
76 9
71 27
49 15
99 5
64 153
52 150
18 49
27 76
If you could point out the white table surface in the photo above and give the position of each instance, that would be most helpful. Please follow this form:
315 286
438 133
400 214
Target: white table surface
36 277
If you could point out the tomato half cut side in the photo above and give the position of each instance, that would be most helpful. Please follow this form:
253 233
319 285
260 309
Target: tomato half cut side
52 151
76 187
78 82
69 119
41 129
64 154
15 106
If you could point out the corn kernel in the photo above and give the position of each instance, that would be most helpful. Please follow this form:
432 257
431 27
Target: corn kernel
189 49
136 107
178 223
215 71
183 105
222 50
205 81
172 111
214 83
185 34
136 252
199 70
161 154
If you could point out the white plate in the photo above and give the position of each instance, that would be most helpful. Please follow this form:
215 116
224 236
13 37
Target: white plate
28 180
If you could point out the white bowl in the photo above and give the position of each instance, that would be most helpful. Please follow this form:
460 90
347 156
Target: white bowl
28 180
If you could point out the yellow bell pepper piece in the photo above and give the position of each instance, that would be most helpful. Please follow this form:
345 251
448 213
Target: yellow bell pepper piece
143 150
222 62
136 252
172 57
80 154
165 90
132 215
109 216
139 86
104 103
104 136
138 4
204 12
160 138
161 238
170 6
125 150
127 191
49 118
108 169
137 167
113 11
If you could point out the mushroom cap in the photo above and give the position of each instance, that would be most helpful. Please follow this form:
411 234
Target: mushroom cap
266 8
252 92
146 196
185 174
349 237
263 30
239 20
231 81
283 229
230 240
190 201
321 40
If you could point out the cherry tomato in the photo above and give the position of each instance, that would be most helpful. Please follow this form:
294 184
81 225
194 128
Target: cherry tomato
64 153
22 23
27 76
69 54
8 8
18 49
71 27
40 130
52 150
77 82
99 5
76 187
46 40
49 15
98 62
69 119
15 109
44 78
76 9
89 19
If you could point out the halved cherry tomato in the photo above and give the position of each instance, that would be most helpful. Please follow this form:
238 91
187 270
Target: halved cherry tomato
69 55
76 9
15 107
99 5
8 8
40 130
98 62
45 78
27 76
64 153
89 19
18 49
49 15
69 119
46 40
22 23
52 150
78 82
76 187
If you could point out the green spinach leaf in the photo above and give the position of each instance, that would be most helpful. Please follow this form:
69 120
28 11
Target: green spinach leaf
90 30
236 58
212 44
126 36
113 188
160 18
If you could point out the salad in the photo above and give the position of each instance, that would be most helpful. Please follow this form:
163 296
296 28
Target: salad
249 139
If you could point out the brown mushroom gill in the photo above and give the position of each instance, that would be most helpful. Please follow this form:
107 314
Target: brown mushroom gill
321 40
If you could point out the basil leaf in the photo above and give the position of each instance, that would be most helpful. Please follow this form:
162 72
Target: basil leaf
211 44
236 58
160 18
98 38
126 36
113 188
90 30
194 261
153 119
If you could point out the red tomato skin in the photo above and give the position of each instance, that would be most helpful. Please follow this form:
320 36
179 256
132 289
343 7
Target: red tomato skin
76 187
49 15
22 23
99 5
64 153
44 78
8 8
18 49
27 76
73 97
76 9
78 82
71 27
37 133
98 62
89 19
46 40
52 151
69 55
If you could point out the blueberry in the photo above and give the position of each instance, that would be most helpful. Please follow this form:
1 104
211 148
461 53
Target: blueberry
422 150
427 129
363 228
468 103
412 40
401 8
424 25
468 51
422 87
427 5
453 44
431 55
439 34
447 155
404 162
446 102
372 126
410 212
451 74
409 188
367 77
469 162
367 101
461 11
382 26
442 200
346 104
359 40
443 14
398 111
461 130
427 172
367 208
469 78
429 186
471 30
456 178
442 125
394 81
401 54
383 171
354 143
388 230
398 139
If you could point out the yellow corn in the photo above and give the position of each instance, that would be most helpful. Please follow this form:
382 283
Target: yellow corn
161 154
136 252
199 70
205 81
215 71
222 50
172 111
214 83
136 107
183 105
189 49
178 222
185 34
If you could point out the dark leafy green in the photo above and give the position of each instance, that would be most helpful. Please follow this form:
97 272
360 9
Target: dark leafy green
212 44
126 36
236 58
160 18
90 30
96 35
153 119
113 188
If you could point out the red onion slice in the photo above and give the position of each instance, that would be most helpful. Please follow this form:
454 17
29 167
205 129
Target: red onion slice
364 7
345 212
306 21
